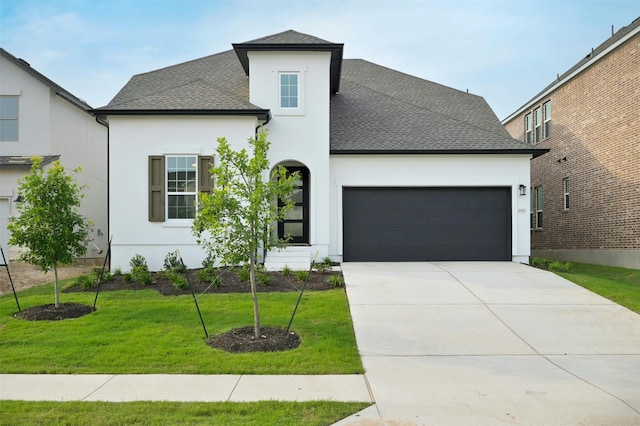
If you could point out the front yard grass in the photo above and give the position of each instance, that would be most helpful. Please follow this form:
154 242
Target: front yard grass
319 413
143 332
620 285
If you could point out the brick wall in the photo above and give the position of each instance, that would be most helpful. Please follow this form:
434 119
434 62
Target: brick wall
596 126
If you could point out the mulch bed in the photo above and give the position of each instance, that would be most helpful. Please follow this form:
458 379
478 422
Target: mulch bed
235 341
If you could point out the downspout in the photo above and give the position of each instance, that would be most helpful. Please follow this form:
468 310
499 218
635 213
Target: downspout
102 120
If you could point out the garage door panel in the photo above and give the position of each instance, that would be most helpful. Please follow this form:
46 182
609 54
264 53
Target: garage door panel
417 224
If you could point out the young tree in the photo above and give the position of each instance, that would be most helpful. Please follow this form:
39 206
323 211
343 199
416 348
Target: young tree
235 220
49 225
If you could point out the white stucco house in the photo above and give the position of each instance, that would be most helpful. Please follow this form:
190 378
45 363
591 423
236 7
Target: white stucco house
40 118
394 167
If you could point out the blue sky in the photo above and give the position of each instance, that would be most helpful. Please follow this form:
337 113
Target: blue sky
505 51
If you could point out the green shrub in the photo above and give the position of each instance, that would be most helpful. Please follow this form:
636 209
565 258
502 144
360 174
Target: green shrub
209 261
142 275
263 278
117 272
302 275
323 266
138 261
172 262
536 261
101 275
335 281
558 266
209 275
128 277
244 274
177 279
286 271
86 281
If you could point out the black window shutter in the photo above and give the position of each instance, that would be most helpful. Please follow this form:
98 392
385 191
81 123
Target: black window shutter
156 188
205 182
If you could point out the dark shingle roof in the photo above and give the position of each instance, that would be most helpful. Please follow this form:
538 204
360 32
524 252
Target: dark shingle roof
378 110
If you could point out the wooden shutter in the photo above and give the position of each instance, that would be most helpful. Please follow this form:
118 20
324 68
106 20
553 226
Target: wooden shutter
156 188
205 182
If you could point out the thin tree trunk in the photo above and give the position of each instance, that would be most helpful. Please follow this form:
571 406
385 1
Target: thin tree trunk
254 293
55 285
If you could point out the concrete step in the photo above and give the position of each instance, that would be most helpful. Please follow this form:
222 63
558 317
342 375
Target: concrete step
294 259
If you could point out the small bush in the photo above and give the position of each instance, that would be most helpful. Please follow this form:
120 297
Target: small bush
244 274
86 281
286 271
177 279
101 275
209 261
209 275
128 277
117 272
172 262
138 261
558 266
263 278
324 266
335 281
142 275
536 261
302 275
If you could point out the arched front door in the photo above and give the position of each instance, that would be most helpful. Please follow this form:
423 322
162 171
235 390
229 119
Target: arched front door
296 223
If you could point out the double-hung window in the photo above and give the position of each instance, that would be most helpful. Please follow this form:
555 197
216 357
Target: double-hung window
174 184
547 118
8 118
565 186
527 128
537 124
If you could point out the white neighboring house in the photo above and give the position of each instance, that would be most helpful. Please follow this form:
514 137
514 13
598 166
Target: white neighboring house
40 118
394 167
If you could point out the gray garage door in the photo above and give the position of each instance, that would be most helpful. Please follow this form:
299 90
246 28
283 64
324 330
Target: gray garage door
423 224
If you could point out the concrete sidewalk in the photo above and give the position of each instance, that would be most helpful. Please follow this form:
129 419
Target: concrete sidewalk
160 387
488 343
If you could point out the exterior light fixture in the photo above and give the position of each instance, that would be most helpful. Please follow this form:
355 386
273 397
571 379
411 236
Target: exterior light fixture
523 190
18 199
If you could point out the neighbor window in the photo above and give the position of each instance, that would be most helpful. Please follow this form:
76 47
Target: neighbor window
527 128
565 185
537 124
174 183
289 90
547 119
8 118
537 207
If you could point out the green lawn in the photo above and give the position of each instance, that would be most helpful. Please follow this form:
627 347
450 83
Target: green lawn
620 285
321 413
143 332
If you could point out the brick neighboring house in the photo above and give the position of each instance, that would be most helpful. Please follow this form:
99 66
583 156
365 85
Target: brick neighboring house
585 195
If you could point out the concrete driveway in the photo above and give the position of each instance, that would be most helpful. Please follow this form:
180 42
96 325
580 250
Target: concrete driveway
490 343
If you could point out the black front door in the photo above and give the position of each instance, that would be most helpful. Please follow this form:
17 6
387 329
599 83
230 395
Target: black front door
295 225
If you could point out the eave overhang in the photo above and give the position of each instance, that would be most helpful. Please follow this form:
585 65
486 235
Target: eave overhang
260 114
534 152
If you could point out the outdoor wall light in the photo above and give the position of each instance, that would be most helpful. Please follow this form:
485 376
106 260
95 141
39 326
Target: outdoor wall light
18 199
523 190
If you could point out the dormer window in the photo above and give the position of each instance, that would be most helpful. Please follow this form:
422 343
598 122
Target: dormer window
288 90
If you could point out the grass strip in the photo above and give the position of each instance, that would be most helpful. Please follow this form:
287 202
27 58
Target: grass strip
319 413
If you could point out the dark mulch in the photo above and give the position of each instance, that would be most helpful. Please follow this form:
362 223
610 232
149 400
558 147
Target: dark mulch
51 313
230 283
243 339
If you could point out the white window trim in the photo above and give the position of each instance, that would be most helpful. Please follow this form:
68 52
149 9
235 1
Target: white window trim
528 128
566 191
536 206
293 69
546 119
537 125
